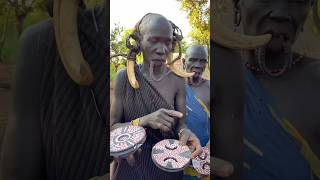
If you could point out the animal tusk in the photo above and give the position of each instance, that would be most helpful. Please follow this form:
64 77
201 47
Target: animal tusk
176 70
227 38
131 75
65 15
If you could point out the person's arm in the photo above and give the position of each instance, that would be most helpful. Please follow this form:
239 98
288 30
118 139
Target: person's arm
186 136
161 119
22 156
228 107
180 103
116 107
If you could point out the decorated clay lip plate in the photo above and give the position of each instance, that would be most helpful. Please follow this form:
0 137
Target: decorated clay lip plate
169 156
126 140
202 162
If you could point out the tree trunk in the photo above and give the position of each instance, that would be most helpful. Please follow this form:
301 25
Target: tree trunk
316 17
3 34
116 66
20 23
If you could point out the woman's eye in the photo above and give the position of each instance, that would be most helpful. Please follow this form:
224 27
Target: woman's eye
153 40
203 61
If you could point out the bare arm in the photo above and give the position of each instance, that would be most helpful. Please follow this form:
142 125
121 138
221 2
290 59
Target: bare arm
180 103
228 107
22 156
160 119
186 136
116 108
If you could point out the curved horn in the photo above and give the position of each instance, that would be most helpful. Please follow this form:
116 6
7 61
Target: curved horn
227 38
131 59
65 15
131 75
176 70
315 13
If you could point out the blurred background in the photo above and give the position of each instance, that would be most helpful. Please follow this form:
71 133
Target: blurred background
15 17
308 41
191 16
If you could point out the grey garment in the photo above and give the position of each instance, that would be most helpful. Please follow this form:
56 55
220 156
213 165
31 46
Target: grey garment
137 103
73 129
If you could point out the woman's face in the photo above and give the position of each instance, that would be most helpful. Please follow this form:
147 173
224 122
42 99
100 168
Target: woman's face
284 19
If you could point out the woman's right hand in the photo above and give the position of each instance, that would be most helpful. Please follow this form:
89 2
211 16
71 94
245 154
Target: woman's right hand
162 119
221 168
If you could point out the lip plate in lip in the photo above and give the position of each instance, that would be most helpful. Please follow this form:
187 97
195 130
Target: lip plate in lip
277 35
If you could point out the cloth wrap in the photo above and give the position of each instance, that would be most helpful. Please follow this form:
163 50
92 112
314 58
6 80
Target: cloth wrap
272 149
137 103
74 136
197 117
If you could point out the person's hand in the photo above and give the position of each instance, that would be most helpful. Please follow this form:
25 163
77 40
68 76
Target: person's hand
186 137
204 177
162 119
208 145
221 168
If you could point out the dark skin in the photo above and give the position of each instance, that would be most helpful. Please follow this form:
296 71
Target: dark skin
196 60
22 156
156 42
22 153
228 105
295 94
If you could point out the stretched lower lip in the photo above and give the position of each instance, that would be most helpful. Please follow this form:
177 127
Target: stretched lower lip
161 60
196 70
280 36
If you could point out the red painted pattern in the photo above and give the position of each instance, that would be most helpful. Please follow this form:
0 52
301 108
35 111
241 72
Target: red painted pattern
171 154
202 162
126 137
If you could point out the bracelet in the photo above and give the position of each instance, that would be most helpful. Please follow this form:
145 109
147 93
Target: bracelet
136 122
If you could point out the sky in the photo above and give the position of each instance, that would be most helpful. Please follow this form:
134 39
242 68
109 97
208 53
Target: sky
128 12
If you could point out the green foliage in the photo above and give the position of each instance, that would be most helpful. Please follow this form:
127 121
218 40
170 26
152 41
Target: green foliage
198 16
184 46
317 20
6 18
93 3
15 16
22 14
118 37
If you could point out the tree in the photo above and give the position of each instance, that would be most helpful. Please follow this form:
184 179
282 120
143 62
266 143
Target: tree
4 23
198 16
93 3
316 16
21 10
118 47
